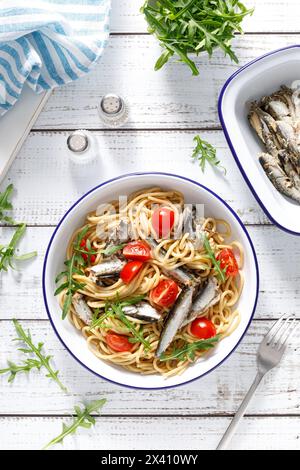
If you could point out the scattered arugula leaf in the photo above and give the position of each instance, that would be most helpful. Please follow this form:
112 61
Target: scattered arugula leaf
111 250
189 349
193 26
6 205
221 273
7 252
83 418
205 152
27 365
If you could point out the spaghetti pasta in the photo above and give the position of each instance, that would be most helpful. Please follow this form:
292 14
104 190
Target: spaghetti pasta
102 230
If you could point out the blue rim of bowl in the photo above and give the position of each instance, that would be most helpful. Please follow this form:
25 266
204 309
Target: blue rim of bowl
234 153
153 174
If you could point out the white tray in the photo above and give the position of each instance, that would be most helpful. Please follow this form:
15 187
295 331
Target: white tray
16 124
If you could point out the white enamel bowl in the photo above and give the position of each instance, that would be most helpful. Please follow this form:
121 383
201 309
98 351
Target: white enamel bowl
256 79
74 218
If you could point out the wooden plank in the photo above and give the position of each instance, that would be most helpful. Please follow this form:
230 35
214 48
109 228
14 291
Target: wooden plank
35 394
269 16
279 285
57 184
152 433
170 98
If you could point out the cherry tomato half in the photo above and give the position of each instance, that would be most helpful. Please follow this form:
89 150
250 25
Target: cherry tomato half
85 256
117 342
137 250
163 221
228 262
130 270
203 328
165 293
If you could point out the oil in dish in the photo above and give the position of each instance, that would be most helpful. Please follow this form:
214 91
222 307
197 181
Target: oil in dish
144 297
276 120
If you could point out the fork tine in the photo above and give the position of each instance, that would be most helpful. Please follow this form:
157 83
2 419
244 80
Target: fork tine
280 332
289 334
273 330
284 331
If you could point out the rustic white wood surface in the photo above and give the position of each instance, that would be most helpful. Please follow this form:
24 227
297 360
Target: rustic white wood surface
167 109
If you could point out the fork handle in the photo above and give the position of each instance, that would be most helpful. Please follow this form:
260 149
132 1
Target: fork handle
225 441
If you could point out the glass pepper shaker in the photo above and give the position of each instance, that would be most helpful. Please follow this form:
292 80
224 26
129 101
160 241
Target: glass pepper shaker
113 110
82 147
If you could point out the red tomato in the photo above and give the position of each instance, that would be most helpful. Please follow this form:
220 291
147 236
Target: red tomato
130 270
85 256
137 250
165 293
163 221
203 328
228 262
117 342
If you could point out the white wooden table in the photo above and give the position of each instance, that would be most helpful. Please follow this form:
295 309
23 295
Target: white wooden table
167 109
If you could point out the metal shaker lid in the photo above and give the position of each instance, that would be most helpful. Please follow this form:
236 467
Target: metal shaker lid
111 104
78 141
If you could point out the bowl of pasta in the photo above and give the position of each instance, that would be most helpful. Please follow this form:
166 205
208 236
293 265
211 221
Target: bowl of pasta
150 280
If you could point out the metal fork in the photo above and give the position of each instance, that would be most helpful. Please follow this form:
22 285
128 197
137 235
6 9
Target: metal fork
269 356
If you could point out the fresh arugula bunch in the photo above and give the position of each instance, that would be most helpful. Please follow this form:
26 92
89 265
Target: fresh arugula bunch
82 418
221 273
204 153
39 361
189 349
186 27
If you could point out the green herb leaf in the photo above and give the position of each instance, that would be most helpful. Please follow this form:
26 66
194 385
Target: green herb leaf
111 250
39 361
7 252
6 205
205 152
83 418
188 350
221 273
190 27
116 309
69 284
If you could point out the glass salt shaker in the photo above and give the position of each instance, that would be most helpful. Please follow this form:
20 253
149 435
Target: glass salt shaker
113 110
82 147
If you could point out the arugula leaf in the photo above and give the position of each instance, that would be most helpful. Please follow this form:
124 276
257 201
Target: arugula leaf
83 418
194 26
27 365
7 253
137 335
205 152
115 308
188 350
221 273
111 250
70 284
6 205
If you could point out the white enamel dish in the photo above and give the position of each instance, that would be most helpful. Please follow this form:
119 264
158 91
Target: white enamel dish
74 218
256 79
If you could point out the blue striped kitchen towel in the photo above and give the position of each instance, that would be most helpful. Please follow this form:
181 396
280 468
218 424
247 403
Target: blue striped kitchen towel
49 43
